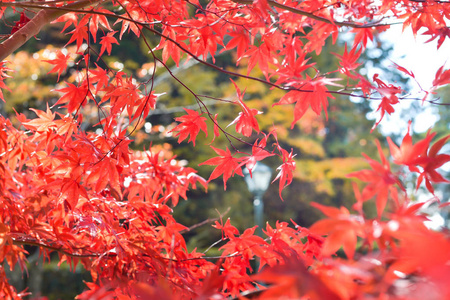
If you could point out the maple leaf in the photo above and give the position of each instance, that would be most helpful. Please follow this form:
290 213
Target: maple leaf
404 70
292 280
241 40
342 229
422 252
170 49
148 102
363 35
348 60
43 123
434 161
258 153
22 22
246 120
100 77
106 42
380 180
247 243
60 63
3 76
96 19
442 77
312 93
409 154
79 34
259 55
389 98
229 230
286 170
69 18
191 124
75 95
226 165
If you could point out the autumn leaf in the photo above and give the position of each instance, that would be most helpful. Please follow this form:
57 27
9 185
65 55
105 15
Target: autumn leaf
380 180
245 121
216 130
286 170
389 98
79 34
292 280
100 77
190 124
3 76
349 60
258 154
311 93
228 230
106 42
227 165
240 39
341 227
434 161
409 154
60 63
248 244
363 35
404 70
96 19
442 77
44 122
76 96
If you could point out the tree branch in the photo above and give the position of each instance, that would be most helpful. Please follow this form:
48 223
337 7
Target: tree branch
42 18
313 16
53 248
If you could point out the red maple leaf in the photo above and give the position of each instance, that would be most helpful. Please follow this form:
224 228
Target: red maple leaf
43 123
216 130
349 60
293 280
409 154
79 34
226 165
100 77
191 124
389 98
22 22
75 95
96 19
258 153
380 180
60 63
342 229
442 77
433 162
107 42
363 35
311 93
241 40
228 230
259 55
286 170
3 76
246 120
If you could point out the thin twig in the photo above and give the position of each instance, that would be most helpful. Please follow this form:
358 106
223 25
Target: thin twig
313 16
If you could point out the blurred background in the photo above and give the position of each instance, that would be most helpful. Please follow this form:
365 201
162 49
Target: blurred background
326 150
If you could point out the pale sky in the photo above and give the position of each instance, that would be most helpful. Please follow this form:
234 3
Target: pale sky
423 59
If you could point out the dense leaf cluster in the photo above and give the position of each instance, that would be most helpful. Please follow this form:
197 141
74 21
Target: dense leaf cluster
88 197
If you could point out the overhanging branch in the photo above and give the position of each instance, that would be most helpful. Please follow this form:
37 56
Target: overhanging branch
42 18
313 16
